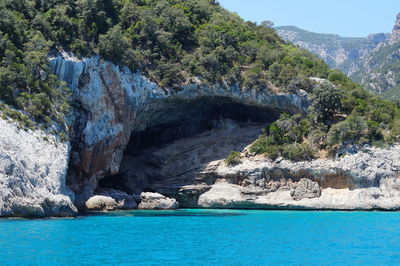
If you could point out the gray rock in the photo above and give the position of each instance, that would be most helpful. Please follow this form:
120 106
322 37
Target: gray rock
305 189
101 203
359 58
156 201
365 180
33 168
125 201
111 199
111 102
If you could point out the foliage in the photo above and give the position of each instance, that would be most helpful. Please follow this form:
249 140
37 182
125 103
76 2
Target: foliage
233 158
361 119
285 138
173 42
24 79
297 152
327 100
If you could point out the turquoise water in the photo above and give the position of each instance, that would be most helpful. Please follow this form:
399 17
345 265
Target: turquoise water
205 237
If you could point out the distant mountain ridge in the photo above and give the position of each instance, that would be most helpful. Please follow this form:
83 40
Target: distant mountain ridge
373 61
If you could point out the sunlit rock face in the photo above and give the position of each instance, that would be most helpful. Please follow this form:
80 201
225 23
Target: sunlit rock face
33 168
133 136
365 180
111 104
130 136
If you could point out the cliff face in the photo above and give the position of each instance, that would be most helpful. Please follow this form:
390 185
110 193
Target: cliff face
110 103
395 37
130 136
364 180
379 69
32 174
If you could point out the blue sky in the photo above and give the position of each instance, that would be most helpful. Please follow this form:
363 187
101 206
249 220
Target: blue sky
351 18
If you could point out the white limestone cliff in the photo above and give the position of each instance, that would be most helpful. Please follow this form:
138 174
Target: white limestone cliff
32 174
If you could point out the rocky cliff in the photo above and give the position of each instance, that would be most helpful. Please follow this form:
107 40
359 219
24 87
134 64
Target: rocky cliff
33 169
129 136
113 107
365 180
123 140
379 69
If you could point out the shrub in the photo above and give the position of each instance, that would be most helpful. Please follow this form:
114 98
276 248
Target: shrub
297 152
260 145
233 158
273 151
327 100
349 131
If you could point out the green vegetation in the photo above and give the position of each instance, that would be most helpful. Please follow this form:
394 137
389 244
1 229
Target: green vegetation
233 158
173 42
286 137
342 113
24 79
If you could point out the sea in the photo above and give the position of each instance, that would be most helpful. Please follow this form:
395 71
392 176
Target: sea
204 237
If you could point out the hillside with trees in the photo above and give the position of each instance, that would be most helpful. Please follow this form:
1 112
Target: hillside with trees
175 42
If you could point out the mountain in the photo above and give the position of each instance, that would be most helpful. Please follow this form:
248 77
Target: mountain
372 61
338 52
379 70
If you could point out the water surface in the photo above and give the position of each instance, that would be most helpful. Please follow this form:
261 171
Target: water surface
204 237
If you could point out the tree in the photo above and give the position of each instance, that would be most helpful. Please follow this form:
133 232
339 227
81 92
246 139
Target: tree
267 23
35 56
113 44
327 100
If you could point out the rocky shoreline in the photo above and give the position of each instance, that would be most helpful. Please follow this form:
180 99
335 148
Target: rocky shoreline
33 182
130 149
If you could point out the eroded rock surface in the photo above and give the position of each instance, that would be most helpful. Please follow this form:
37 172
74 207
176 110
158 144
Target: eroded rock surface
109 200
305 189
123 117
101 203
156 201
365 180
112 104
32 174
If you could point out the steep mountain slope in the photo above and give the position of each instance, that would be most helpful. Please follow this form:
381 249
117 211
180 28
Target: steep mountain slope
379 70
338 52
373 61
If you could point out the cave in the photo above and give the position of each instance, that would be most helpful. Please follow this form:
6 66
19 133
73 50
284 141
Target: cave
181 138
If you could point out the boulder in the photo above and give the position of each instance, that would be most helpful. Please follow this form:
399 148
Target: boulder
222 195
305 189
156 201
101 203
124 201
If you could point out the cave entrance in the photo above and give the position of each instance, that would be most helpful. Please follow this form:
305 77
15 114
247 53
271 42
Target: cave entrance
181 138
